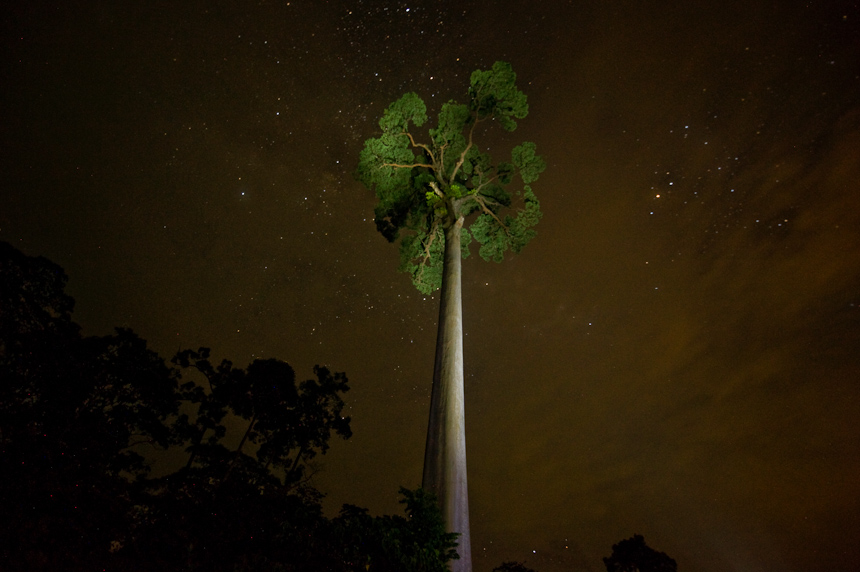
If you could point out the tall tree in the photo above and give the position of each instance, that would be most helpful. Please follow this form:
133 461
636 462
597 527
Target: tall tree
430 190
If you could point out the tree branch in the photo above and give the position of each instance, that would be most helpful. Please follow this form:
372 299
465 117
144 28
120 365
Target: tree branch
466 150
238 450
421 145
247 432
440 173
205 374
296 461
311 469
195 448
401 166
430 242
435 188
423 264
480 201
144 441
477 189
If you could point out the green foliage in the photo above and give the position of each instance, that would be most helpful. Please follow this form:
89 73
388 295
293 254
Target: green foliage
421 256
407 109
425 187
529 164
514 233
493 94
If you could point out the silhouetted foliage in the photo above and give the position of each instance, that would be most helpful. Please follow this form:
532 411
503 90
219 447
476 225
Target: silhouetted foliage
73 414
78 413
513 567
633 555
417 543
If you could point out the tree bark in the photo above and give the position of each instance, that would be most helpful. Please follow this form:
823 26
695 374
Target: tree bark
445 452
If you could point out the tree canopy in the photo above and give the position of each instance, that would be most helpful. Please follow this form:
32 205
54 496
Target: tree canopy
424 186
114 458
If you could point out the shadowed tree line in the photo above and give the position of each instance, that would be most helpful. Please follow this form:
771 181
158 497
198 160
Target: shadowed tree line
84 418
631 555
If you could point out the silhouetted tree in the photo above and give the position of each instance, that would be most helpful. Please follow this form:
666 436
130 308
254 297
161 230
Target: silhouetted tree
228 503
513 567
285 425
77 494
430 190
74 414
417 543
633 555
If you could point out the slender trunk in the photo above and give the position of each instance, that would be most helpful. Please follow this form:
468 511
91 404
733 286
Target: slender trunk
296 462
238 450
445 452
194 449
245 436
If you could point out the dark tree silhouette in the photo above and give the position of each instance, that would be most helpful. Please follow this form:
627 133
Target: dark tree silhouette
225 502
434 196
513 567
417 543
633 555
284 425
78 413
74 415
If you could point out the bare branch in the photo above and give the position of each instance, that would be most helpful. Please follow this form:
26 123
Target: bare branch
477 189
480 201
144 441
310 470
440 173
430 242
297 460
462 156
423 264
421 145
466 150
435 188
401 166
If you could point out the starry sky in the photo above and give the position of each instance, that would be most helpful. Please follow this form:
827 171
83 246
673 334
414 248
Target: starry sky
674 355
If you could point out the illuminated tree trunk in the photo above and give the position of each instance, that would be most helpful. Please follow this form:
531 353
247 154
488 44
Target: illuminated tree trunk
445 452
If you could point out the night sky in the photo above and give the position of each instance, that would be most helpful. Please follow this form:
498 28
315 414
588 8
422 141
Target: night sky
677 353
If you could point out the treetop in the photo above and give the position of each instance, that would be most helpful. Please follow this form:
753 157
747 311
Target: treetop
425 186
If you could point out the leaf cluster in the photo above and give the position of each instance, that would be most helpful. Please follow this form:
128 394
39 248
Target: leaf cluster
423 188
